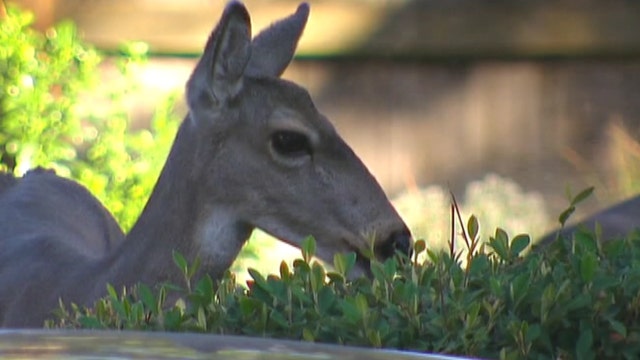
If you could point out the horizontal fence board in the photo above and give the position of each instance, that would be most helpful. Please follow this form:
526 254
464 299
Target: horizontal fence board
392 28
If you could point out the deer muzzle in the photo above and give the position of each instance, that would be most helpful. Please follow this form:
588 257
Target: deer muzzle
398 241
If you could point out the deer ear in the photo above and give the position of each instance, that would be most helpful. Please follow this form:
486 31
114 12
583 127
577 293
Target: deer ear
218 75
273 49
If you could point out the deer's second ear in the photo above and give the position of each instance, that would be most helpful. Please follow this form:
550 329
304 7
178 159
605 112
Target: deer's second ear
220 71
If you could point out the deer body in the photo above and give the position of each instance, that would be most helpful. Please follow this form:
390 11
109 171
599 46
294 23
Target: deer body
252 152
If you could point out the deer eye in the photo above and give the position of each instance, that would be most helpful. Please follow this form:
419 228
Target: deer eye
290 143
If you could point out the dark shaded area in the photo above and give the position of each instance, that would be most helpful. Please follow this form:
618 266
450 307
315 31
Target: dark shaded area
507 29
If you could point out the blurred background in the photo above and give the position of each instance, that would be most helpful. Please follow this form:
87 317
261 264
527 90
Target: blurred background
506 104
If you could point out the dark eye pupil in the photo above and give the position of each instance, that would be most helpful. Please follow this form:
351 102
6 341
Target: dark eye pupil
290 143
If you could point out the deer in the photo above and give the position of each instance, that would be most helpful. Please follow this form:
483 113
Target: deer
252 152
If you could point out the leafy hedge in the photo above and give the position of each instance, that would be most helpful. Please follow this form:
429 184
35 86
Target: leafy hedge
43 77
40 77
579 298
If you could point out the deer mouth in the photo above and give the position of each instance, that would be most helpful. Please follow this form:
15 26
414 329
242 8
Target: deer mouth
399 242
363 263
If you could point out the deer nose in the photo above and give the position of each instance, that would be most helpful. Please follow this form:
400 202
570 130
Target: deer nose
399 240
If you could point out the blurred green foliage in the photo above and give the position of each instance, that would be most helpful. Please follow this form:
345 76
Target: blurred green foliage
43 78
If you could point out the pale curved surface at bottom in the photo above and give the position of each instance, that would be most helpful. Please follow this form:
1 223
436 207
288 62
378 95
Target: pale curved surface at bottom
90 344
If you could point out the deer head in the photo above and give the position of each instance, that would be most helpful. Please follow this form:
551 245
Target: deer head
267 158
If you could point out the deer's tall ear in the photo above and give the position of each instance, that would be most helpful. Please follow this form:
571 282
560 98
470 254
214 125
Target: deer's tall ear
218 75
273 49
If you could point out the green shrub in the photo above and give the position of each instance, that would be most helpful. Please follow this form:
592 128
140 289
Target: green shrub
578 298
43 78
40 77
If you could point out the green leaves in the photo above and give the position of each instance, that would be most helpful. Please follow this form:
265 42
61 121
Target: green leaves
44 123
573 202
41 76
343 263
508 250
580 304
588 267
308 249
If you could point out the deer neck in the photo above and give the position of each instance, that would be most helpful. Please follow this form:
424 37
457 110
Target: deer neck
177 217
